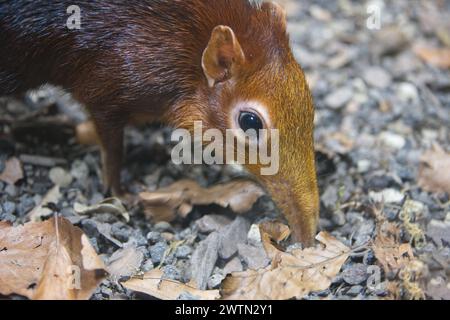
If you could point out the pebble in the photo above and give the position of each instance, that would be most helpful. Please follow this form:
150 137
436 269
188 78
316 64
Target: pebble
183 252
172 273
157 252
254 257
407 92
254 235
233 235
203 260
377 77
354 291
60 177
439 231
9 207
355 274
25 205
162 226
148 265
338 218
80 171
154 237
211 223
11 190
392 140
168 236
338 98
234 265
330 197
363 165
387 196
215 281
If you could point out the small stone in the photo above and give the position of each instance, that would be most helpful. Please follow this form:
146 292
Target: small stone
162 226
254 257
355 274
389 40
439 231
386 196
186 296
234 265
80 171
211 223
339 98
392 140
9 207
338 218
154 237
232 235
168 236
60 177
25 205
407 92
204 259
157 252
11 190
377 77
171 272
364 232
330 197
254 235
215 280
148 265
354 291
363 166
183 252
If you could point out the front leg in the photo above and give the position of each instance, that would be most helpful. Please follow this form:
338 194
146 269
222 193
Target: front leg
110 130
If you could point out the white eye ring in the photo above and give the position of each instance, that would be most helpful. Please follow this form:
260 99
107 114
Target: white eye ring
254 107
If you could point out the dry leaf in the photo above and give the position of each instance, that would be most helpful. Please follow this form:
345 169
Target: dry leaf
52 196
165 289
13 171
179 198
439 57
290 274
276 230
110 205
434 170
48 260
125 263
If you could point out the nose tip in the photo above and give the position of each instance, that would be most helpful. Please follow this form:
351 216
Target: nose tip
301 211
303 221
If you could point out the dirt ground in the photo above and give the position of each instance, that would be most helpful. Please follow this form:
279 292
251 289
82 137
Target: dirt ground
380 105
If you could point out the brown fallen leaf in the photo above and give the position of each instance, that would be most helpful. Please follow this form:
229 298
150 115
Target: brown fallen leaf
52 196
179 198
125 262
439 57
13 171
274 230
48 260
434 170
291 275
165 289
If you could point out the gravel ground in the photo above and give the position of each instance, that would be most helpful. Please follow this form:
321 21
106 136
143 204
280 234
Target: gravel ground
379 107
